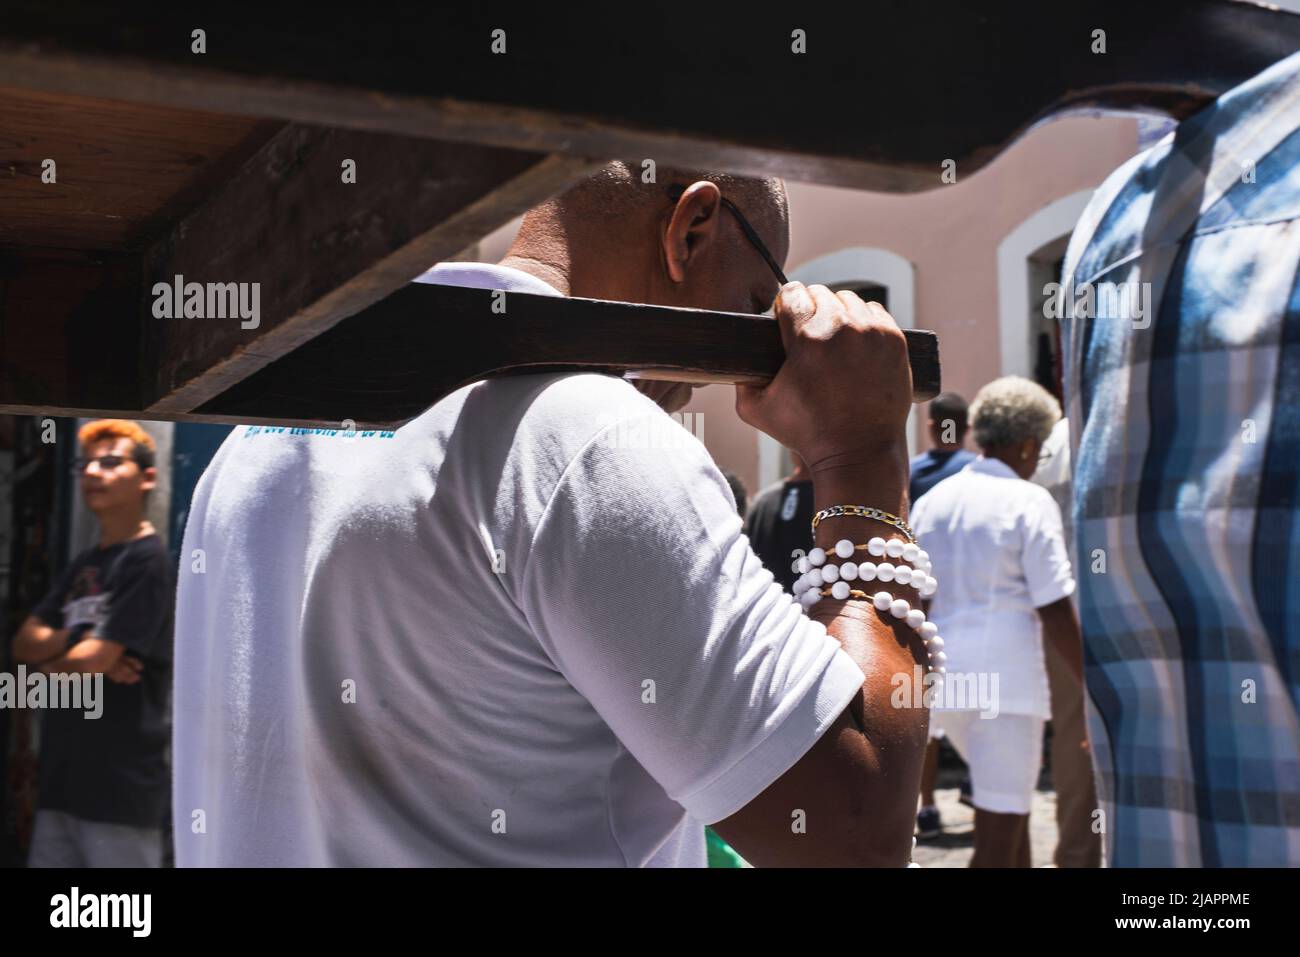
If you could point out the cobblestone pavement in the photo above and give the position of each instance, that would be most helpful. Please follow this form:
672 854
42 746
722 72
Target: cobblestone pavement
954 847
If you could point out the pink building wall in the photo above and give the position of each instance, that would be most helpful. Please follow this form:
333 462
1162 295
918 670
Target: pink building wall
950 235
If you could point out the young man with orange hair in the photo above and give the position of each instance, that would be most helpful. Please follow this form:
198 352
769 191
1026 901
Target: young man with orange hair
103 783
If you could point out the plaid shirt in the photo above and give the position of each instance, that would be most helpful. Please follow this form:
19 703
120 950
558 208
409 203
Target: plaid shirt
1185 428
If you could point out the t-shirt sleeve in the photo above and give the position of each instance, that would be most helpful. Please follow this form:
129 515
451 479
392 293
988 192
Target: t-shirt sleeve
139 606
1042 554
50 608
648 598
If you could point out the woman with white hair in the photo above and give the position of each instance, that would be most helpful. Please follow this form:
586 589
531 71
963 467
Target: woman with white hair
998 551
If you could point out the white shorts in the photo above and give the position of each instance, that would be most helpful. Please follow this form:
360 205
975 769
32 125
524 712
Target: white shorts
1004 755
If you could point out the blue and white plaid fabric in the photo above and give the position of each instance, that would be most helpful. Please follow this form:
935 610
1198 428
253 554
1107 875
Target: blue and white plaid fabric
1185 430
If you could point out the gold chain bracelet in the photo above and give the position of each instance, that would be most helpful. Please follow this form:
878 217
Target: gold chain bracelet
864 511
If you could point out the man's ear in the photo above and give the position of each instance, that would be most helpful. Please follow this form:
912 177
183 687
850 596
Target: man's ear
692 225
149 479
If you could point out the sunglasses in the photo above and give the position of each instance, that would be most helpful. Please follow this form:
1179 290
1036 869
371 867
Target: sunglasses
675 193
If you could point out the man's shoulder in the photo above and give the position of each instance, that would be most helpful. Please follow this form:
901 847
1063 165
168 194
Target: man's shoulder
556 409
538 427
147 548
580 392
565 409
145 554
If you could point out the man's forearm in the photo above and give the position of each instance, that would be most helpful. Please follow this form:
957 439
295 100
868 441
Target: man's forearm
91 655
34 645
64 665
880 645
1061 627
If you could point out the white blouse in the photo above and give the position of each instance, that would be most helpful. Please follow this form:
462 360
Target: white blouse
999 554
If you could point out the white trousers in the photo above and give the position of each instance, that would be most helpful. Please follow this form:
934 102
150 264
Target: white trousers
1004 754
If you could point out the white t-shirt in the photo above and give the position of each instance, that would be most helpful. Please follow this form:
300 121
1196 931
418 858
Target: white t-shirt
519 631
999 555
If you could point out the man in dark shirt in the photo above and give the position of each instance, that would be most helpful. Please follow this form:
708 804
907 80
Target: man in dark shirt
947 457
103 783
779 525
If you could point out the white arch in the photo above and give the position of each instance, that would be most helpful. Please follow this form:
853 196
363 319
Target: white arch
866 264
855 264
1053 221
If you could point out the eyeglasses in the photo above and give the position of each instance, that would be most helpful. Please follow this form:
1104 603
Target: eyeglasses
675 193
106 462
1044 456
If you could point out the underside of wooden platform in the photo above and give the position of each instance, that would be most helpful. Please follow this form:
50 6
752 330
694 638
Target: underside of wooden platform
226 166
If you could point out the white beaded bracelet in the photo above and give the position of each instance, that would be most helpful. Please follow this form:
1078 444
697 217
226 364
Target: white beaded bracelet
898 608
814 573
878 547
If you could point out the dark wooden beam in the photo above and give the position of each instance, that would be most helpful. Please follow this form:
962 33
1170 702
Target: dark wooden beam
320 249
884 93
389 363
384 365
69 332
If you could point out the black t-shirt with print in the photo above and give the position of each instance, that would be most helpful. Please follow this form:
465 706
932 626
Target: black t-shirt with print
113 768
779 522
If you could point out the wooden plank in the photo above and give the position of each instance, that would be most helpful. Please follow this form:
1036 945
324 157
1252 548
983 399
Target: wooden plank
122 170
883 95
392 361
317 249
389 363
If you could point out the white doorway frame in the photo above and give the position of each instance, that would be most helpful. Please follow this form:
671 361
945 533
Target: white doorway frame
856 264
1053 221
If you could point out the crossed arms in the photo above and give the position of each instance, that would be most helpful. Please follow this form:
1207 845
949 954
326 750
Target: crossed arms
38 644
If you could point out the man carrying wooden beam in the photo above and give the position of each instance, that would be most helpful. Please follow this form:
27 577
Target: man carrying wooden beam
504 636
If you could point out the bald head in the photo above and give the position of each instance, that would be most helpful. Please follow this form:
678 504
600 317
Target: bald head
614 236
617 191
